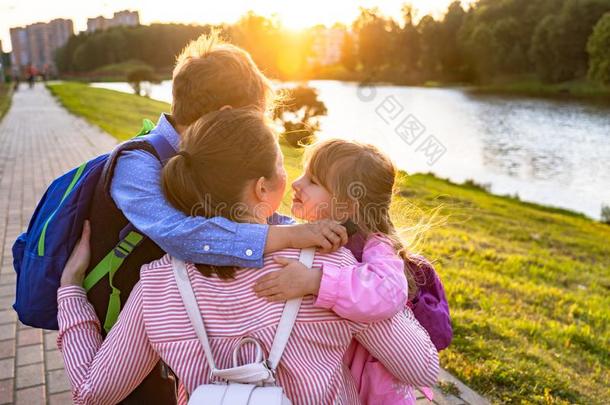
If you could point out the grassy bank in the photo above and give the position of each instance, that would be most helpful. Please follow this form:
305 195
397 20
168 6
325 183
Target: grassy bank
117 113
116 72
6 92
579 89
528 286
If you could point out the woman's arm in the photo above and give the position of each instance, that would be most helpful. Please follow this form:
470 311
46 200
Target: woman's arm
102 373
403 347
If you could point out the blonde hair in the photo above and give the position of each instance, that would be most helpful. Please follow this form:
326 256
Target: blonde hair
211 73
361 179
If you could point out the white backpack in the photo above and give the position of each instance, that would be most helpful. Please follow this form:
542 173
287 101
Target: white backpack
253 383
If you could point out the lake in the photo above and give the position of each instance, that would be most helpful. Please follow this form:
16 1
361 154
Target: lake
553 152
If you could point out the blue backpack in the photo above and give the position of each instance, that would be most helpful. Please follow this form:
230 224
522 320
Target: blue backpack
39 254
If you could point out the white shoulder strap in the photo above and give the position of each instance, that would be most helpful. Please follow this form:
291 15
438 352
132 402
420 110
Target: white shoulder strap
282 334
192 309
289 316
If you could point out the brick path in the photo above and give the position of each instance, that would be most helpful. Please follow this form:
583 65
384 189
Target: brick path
39 140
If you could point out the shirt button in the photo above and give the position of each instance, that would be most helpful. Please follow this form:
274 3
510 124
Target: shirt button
249 252
206 247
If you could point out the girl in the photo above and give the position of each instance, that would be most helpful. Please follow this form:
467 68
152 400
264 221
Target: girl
352 181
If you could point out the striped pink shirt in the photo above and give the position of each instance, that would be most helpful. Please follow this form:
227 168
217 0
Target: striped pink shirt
154 325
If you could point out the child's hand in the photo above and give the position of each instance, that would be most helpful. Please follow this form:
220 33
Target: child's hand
74 270
293 281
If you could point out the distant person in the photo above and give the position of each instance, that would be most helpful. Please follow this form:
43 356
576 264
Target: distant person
31 75
16 78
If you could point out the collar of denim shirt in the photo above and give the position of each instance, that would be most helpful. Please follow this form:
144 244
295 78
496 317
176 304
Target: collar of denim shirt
167 130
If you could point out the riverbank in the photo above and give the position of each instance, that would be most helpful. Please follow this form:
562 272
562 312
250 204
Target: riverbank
521 86
116 72
579 89
527 285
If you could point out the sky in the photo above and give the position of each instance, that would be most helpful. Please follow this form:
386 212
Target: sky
293 13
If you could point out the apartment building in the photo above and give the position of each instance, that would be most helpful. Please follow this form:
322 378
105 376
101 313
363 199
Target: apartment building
36 44
120 18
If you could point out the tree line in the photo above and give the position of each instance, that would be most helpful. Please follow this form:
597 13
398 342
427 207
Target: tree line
553 40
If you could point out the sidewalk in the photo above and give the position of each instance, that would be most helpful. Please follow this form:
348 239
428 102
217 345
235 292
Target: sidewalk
39 140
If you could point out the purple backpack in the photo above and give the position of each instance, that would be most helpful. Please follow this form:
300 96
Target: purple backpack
430 306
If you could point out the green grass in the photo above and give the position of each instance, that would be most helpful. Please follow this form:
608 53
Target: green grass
117 113
6 93
528 285
122 68
116 72
580 89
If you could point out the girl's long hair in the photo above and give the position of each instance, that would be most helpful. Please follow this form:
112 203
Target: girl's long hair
361 180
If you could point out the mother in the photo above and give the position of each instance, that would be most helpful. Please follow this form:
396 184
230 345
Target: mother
244 180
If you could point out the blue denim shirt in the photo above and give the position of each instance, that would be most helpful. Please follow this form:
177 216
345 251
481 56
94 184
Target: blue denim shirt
136 190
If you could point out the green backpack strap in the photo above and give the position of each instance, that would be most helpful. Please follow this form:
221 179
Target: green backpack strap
110 264
113 261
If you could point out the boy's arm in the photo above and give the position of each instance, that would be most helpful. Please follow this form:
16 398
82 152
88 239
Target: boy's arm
370 291
136 190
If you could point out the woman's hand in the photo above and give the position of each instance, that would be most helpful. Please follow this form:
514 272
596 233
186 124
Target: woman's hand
292 281
74 271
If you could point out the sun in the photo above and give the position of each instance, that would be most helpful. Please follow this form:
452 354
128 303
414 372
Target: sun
300 15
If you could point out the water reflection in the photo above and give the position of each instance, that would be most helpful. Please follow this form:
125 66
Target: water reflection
551 152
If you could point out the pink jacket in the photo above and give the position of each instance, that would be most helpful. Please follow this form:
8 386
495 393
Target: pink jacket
371 291
154 325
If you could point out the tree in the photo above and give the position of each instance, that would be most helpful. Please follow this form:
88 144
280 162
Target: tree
157 45
374 40
348 52
510 55
261 37
430 45
543 52
559 46
480 49
598 47
139 75
575 25
451 59
299 115
409 41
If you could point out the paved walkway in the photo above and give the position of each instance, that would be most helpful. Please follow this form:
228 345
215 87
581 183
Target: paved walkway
39 140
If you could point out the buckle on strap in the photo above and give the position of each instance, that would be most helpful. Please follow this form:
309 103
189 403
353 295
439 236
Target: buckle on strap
272 371
126 246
